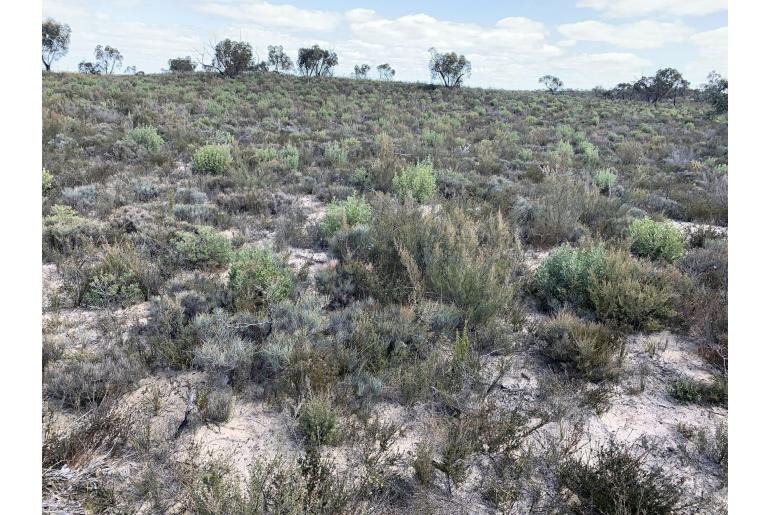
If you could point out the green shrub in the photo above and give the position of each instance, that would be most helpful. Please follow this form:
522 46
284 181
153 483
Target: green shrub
289 156
47 181
354 211
336 154
416 181
205 246
561 156
615 480
258 277
592 349
147 137
589 150
318 420
212 159
612 286
688 390
605 179
655 240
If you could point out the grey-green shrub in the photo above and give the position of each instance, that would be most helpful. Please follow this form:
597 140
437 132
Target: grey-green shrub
318 420
416 181
205 246
212 159
147 136
655 240
259 277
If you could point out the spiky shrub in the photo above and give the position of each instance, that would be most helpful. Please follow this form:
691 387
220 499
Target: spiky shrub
259 277
203 247
687 390
605 179
146 136
615 480
594 350
416 181
354 211
655 240
212 159
318 420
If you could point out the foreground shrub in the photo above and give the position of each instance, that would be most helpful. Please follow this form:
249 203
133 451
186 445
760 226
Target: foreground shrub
64 230
416 181
615 480
605 180
204 247
592 349
289 156
215 404
258 277
336 154
318 420
47 181
655 240
688 390
212 159
147 137
223 354
354 211
121 278
84 379
610 286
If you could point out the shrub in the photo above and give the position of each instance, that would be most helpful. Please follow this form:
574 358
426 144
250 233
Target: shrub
688 390
222 353
215 405
612 286
147 137
561 156
592 349
289 156
259 277
605 180
655 240
64 230
318 420
614 480
354 211
47 181
204 246
416 181
119 279
82 379
629 152
336 154
212 159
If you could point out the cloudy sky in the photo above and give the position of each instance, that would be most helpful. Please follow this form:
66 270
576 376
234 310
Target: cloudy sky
510 43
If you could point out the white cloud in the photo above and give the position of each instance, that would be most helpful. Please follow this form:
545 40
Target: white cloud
265 14
599 69
641 34
712 54
629 8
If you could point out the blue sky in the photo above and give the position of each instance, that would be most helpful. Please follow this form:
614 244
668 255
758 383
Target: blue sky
510 43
